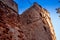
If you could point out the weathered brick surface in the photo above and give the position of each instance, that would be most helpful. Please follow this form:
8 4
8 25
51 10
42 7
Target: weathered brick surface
10 3
33 24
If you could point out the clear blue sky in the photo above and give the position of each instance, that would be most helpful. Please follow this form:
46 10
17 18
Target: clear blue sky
50 5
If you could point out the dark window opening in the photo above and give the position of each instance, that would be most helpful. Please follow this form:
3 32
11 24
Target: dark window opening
40 14
44 28
43 22
0 34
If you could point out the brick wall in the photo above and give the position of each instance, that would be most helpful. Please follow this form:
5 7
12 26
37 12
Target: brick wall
33 24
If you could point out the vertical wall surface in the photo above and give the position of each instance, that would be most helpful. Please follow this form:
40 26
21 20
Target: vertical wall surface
33 24
8 20
37 23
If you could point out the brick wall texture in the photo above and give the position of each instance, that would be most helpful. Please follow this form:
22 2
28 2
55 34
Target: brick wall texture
33 24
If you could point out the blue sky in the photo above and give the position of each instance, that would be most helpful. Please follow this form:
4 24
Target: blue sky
50 5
